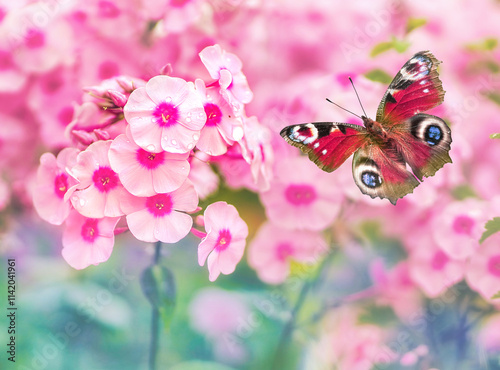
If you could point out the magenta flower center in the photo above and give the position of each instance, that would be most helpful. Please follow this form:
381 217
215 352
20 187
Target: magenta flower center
494 265
214 114
65 115
105 179
159 205
179 3
300 194
90 230
150 160
223 240
52 84
439 260
463 224
108 10
283 250
108 69
61 185
35 39
166 114
6 61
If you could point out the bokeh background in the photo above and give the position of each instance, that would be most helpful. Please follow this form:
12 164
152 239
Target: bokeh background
407 286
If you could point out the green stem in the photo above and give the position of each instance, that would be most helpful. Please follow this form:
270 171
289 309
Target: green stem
155 319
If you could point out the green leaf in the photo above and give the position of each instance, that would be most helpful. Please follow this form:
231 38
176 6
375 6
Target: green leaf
401 45
495 136
463 191
158 286
379 75
414 23
381 48
496 296
378 315
494 97
492 226
487 44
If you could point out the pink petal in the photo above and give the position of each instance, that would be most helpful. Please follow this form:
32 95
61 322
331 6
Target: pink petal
174 227
142 225
211 141
185 198
170 176
178 139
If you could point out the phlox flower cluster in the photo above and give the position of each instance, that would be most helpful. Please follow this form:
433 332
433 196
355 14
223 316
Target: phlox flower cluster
168 118
139 153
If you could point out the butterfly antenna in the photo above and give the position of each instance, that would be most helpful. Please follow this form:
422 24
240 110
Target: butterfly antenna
329 101
352 83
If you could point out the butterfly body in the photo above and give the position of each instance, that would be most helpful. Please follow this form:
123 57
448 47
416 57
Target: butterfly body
400 136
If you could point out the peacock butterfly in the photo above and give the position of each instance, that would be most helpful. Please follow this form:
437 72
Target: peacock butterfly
400 135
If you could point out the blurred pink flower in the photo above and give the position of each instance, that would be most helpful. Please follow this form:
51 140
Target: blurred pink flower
162 217
489 334
145 173
53 181
180 14
165 114
226 69
88 241
99 191
429 267
458 227
301 196
222 128
483 269
202 176
225 241
346 344
221 315
273 248
396 289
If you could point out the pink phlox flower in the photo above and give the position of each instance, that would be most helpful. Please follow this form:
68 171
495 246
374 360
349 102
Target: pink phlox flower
37 45
202 176
273 248
179 15
225 241
99 191
217 314
226 69
162 217
256 149
396 289
301 197
5 194
145 173
88 241
429 266
53 182
167 114
483 268
459 226
222 127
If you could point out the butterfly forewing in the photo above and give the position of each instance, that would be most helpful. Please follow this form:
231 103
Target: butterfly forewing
328 144
416 88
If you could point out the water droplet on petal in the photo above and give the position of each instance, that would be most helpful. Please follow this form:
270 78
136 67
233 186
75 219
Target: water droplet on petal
168 99
82 202
188 119
190 146
209 152
196 137
237 133
150 148
174 142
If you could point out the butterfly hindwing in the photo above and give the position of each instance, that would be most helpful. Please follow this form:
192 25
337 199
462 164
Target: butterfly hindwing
328 144
425 143
416 88
381 172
